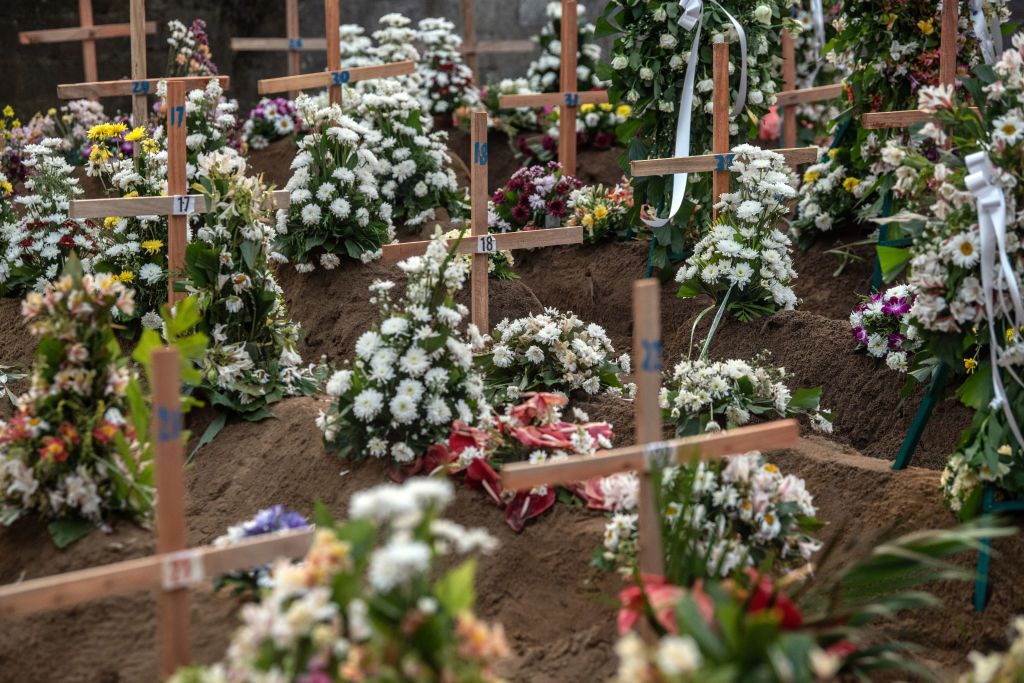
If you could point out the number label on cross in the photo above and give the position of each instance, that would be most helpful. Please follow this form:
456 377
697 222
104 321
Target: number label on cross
651 361
140 87
480 153
168 423
183 205
723 161
295 43
177 115
486 244
340 77
572 99
182 570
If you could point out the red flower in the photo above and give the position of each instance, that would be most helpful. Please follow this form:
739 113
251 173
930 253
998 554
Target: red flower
105 433
53 449
527 505
763 596
662 597
480 474
70 434
537 404
463 436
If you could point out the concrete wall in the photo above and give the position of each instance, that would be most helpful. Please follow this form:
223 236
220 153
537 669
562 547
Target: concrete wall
31 73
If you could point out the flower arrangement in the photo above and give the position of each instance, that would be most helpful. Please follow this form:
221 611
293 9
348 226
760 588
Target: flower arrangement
705 395
543 72
415 169
35 247
270 520
532 431
717 518
881 326
603 212
512 122
209 119
447 80
369 602
336 203
535 197
744 263
413 373
133 248
188 50
270 120
76 450
553 351
252 360
596 126
647 68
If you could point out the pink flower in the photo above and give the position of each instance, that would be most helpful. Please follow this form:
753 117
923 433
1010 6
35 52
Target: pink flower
771 125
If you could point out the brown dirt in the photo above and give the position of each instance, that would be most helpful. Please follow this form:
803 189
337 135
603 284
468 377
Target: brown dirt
274 161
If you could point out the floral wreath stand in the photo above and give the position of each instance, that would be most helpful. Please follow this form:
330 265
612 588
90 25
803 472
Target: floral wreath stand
924 412
990 505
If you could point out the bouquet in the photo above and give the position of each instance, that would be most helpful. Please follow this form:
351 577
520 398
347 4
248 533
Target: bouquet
270 120
209 119
544 71
554 352
336 204
188 52
603 212
512 122
413 373
448 81
744 263
703 395
881 326
370 601
535 197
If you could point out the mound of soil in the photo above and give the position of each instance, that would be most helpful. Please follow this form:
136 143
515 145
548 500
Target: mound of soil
273 162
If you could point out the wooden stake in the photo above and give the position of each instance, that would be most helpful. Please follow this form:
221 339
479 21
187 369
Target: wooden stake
948 43
332 25
88 44
140 103
647 350
789 84
720 119
173 613
569 83
291 20
469 39
712 162
177 225
478 197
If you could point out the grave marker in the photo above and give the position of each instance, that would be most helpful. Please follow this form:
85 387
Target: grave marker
650 452
174 569
294 44
481 242
791 96
568 100
87 33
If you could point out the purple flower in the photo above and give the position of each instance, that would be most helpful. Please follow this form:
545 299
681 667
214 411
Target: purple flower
498 197
272 519
861 335
520 213
896 306
896 341
556 207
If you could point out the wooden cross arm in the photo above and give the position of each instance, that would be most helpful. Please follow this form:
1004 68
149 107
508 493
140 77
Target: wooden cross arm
278 44
73 588
820 93
498 47
577 468
151 206
269 86
899 119
75 91
79 33
523 239
712 162
553 99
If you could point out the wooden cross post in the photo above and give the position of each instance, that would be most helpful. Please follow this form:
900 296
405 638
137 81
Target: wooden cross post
87 33
947 76
334 77
650 452
294 44
483 243
471 47
568 100
790 96
174 569
720 161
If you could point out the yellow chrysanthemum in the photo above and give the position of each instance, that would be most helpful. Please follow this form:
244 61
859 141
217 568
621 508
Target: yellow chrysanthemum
136 134
6 188
110 223
588 220
850 184
149 146
811 176
833 153
927 28
126 276
600 211
99 154
8 111
587 108
606 106
152 246
624 110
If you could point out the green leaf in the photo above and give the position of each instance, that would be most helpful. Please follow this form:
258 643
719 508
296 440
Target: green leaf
455 591
250 253
892 260
64 532
976 391
210 433
806 399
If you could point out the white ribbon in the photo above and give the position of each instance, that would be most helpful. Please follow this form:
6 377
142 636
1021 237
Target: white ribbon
995 264
989 34
691 18
818 23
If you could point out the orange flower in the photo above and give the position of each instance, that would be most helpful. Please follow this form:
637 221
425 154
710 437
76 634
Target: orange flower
105 433
70 434
53 449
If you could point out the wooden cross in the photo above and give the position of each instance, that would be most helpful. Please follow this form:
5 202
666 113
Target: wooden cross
334 77
175 568
947 76
720 160
569 100
87 33
650 452
791 96
482 242
293 44
471 47
139 87
176 205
